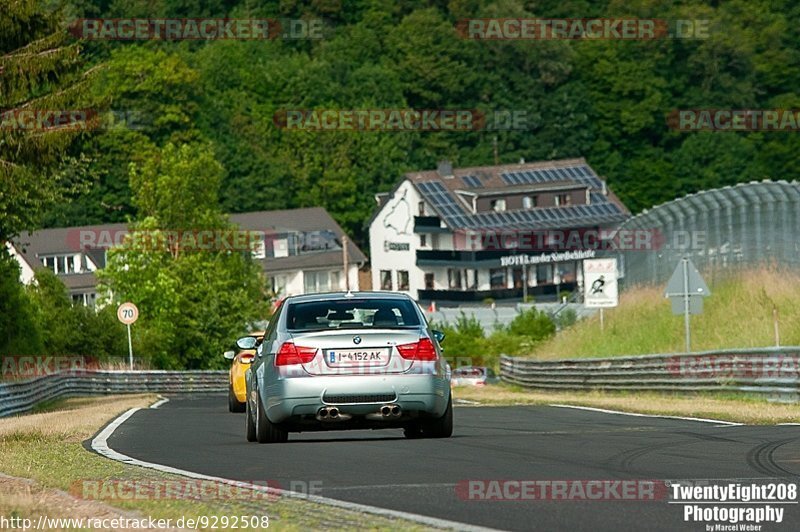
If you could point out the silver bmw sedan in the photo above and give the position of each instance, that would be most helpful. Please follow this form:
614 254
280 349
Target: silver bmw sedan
364 360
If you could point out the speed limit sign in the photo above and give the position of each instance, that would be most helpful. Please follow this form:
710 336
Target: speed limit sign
127 313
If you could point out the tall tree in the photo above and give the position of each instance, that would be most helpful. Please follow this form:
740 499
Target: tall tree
193 297
40 73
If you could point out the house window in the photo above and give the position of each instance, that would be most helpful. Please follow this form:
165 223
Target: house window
386 280
498 205
280 247
316 282
471 279
454 279
423 240
421 208
497 277
88 299
278 284
563 200
63 264
544 274
402 279
528 202
336 283
259 249
428 281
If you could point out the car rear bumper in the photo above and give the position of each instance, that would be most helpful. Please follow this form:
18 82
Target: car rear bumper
298 400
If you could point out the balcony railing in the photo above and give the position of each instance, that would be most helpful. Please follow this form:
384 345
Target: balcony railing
546 292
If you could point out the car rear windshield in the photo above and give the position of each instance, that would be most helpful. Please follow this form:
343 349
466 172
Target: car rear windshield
353 313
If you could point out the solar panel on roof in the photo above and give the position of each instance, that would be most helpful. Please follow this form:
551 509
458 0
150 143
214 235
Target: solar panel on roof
472 181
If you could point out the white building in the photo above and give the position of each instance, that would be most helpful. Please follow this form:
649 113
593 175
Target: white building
301 253
458 235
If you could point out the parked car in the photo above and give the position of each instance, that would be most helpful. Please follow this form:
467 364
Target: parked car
241 361
365 360
473 376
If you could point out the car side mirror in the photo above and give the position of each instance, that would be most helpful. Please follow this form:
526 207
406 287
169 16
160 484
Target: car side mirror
439 335
246 342
229 354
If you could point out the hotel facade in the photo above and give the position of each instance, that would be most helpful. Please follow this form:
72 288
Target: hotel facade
500 232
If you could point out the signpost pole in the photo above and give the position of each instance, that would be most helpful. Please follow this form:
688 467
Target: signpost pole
687 331
127 313
130 347
602 324
345 261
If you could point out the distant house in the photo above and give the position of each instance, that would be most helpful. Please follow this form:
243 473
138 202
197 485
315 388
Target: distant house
465 234
300 252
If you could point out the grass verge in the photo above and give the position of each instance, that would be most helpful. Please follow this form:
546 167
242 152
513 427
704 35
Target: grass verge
738 314
736 408
48 464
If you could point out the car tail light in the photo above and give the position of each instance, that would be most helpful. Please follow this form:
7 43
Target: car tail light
422 350
246 358
291 354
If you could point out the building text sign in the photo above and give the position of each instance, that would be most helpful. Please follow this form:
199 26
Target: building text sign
545 258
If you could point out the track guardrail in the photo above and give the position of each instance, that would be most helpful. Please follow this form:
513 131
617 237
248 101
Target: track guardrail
771 371
20 396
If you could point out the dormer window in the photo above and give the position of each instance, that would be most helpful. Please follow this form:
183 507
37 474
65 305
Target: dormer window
528 202
563 200
63 264
498 205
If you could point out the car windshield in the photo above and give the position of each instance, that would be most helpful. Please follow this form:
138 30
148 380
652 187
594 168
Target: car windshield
349 314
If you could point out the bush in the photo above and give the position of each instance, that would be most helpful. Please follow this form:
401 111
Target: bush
566 318
20 334
69 329
533 325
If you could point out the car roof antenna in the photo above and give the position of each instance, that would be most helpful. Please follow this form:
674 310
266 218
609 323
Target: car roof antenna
349 293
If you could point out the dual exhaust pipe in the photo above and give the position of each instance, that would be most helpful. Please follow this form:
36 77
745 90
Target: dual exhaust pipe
332 413
329 413
391 411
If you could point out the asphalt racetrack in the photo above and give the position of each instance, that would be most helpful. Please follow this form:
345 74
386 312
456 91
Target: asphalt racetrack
430 477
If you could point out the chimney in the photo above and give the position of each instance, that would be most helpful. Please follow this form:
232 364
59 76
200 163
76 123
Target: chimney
605 188
522 160
445 168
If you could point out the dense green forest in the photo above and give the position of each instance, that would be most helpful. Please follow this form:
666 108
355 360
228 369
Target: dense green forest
188 132
605 100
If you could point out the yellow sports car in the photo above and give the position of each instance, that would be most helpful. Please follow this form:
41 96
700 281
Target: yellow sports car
241 363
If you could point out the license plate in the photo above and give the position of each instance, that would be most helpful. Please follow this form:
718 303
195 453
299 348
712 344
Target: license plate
357 357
